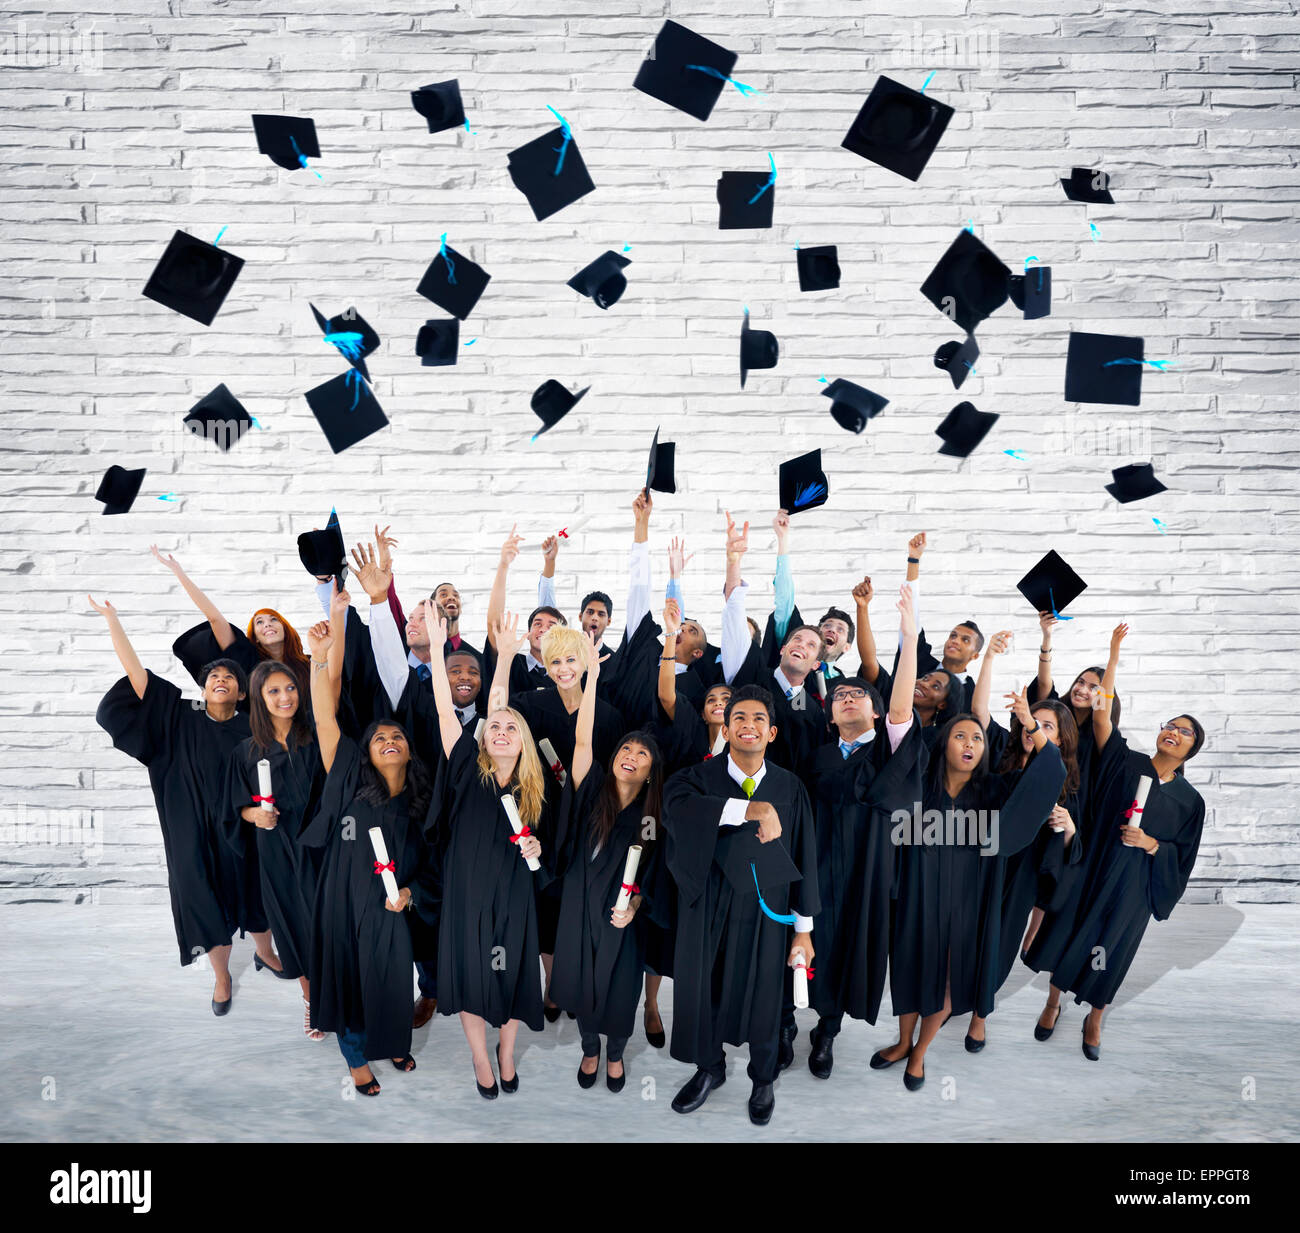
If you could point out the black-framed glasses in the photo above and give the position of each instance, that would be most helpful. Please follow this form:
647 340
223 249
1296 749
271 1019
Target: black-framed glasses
848 693
1173 727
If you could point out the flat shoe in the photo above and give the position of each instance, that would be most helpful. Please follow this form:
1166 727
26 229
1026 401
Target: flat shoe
1091 1052
588 1080
221 1008
913 1082
552 1013
1042 1033
259 963
615 1085
880 1062
657 1039
973 1045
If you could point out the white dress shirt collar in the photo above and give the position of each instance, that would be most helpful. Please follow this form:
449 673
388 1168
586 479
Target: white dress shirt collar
739 776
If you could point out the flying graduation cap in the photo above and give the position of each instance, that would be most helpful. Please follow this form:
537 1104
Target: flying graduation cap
440 104
758 349
853 405
119 489
219 417
898 128
551 402
963 428
453 282
1134 483
438 343
286 140
1051 585
322 552
745 199
802 483
685 70
957 359
346 409
351 335
659 473
1104 368
193 278
1031 292
969 283
603 281
1088 185
549 171
819 268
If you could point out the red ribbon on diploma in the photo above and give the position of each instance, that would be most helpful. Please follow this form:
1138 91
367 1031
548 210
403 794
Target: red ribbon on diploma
631 887
807 971
270 800
564 534
391 867
523 834
1128 813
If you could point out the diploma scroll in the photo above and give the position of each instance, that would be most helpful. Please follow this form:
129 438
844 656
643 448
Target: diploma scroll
264 784
800 980
629 878
517 823
1134 814
719 743
382 864
553 760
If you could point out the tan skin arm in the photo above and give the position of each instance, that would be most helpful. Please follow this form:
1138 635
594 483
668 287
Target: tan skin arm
582 749
667 664
1045 620
222 630
900 697
979 703
1102 725
130 661
497 597
323 697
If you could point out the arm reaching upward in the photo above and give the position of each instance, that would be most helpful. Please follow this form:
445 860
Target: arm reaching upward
126 655
448 723
582 749
862 594
1045 621
323 699
900 697
979 703
667 661
221 628
1102 725
497 598
507 639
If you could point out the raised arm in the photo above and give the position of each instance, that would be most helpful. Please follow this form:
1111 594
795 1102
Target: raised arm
126 655
221 628
783 579
586 723
1045 621
900 697
915 550
448 722
497 598
668 660
735 629
1102 724
1018 704
546 580
323 698
340 602
638 580
677 563
507 639
862 594
385 638
979 703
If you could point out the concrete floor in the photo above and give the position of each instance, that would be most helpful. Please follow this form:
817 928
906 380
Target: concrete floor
98 1015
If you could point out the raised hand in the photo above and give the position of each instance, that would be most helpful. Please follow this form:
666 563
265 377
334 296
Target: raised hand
340 601
436 624
677 558
319 640
164 558
641 507
372 576
737 541
105 609
594 658
508 637
906 612
672 619
1117 636
386 545
781 525
1000 643
550 549
510 549
916 545
1019 707
863 593
1045 622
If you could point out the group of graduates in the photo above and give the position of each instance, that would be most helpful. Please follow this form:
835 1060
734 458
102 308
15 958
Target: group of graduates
551 824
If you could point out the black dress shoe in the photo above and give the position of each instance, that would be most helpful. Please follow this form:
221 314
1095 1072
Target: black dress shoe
696 1091
509 1086
785 1050
1042 1033
552 1013
820 1059
657 1039
259 964
488 1093
588 1080
221 1008
1091 1052
880 1062
762 1100
973 1045
615 1085
913 1082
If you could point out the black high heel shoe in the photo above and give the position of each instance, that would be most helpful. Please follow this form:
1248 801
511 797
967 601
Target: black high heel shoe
615 1085
657 1039
973 1045
1091 1052
589 1080
488 1093
552 1013
509 1086
222 1008
259 963
368 1089
1042 1033
407 1063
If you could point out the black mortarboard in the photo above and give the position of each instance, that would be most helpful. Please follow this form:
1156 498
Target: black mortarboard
1104 368
758 349
119 489
853 405
193 277
552 402
898 128
1051 585
659 475
438 343
958 359
667 74
969 283
322 552
219 417
745 199
532 168
1134 482
752 867
603 280
460 296
347 410
354 350
819 268
963 428
802 483
440 104
283 138
1086 184
1031 292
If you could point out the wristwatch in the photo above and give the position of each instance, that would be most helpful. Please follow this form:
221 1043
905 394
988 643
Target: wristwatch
1031 732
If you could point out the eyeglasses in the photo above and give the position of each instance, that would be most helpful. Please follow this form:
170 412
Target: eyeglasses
1173 727
848 693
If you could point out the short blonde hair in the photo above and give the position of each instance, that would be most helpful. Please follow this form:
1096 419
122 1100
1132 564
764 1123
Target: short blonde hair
564 640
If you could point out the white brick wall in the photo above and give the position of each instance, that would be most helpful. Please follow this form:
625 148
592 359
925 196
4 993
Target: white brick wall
1192 113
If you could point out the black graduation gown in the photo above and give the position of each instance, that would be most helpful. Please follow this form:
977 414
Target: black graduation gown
488 956
598 968
853 803
730 960
186 752
1124 887
801 727
629 681
288 871
948 920
361 954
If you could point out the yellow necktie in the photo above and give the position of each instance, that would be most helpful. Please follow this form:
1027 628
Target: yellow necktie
749 785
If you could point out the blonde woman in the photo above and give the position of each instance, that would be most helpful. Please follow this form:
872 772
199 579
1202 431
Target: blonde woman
487 940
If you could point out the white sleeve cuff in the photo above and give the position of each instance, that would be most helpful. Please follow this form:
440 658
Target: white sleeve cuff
733 812
802 924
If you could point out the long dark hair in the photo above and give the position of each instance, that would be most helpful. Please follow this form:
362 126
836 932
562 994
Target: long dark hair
1069 747
939 756
260 723
419 783
1101 676
1196 744
607 809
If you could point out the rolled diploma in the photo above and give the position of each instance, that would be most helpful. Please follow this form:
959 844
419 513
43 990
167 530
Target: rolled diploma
512 812
801 981
552 760
629 877
264 783
719 743
478 729
381 855
1144 786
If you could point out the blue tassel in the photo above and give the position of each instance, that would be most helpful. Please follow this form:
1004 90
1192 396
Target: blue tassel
927 81
446 257
355 377
1051 603
219 235
563 148
740 85
781 918
1160 364
302 158
771 180
809 494
348 343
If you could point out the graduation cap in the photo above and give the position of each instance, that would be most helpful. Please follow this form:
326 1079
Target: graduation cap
603 280
853 405
440 104
758 349
438 343
552 402
286 140
533 168
322 552
898 128
193 277
685 70
119 489
751 867
819 268
351 335
745 199
347 410
219 417
963 428
1031 292
969 283
453 282
802 483
1105 368
1086 184
1134 482
659 466
958 359
1051 585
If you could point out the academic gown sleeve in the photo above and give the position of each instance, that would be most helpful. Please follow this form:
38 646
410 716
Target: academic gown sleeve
805 897
340 788
572 817
1024 809
691 817
1171 866
141 727
632 685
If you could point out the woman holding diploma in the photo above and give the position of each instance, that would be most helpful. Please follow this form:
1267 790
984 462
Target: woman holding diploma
607 859
487 937
361 956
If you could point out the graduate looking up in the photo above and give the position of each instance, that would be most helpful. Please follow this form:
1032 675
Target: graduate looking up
527 671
